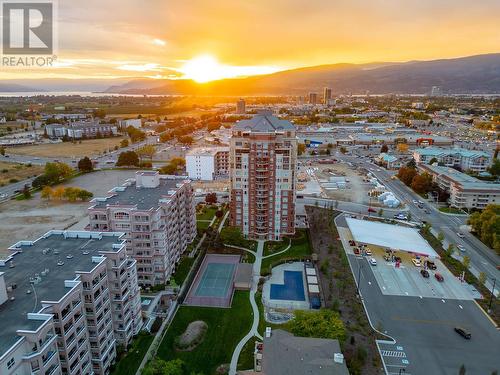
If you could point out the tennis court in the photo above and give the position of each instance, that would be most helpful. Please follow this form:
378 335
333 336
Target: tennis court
214 282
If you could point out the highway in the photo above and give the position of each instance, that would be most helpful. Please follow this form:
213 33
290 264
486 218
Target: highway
483 259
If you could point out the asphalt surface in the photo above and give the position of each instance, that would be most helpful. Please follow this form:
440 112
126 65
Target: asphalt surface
423 330
483 259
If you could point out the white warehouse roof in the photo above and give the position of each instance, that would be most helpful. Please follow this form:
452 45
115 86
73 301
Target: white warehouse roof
390 236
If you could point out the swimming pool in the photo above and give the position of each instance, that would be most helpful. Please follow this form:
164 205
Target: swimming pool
292 289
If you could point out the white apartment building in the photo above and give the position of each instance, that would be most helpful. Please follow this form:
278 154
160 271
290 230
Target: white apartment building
263 158
208 163
476 161
465 191
136 123
157 214
66 300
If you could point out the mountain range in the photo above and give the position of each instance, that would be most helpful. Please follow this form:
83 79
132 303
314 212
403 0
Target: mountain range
478 74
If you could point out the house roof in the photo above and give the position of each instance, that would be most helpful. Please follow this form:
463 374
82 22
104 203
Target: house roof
264 123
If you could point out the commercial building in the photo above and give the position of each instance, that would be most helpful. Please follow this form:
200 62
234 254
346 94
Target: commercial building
241 107
476 161
465 191
208 163
66 300
388 161
157 214
313 98
263 157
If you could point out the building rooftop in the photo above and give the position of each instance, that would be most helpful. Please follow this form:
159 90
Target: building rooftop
467 181
42 267
141 195
436 151
206 151
264 123
286 354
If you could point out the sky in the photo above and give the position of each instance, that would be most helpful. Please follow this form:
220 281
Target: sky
207 40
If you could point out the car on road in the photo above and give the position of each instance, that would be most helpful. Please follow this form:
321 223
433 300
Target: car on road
460 234
352 243
424 273
371 209
431 265
387 257
463 332
401 216
356 251
3 195
439 277
373 261
416 262
461 248
427 211
368 252
415 202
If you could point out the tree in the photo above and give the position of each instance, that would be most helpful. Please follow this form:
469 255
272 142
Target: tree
482 278
486 225
100 113
168 169
422 183
219 214
466 261
450 250
461 371
381 212
85 165
433 160
135 134
211 198
495 168
301 148
46 192
411 164
84 195
2 151
440 237
343 150
146 151
124 143
128 158
58 193
160 367
232 236
26 192
384 148
406 175
324 323
186 139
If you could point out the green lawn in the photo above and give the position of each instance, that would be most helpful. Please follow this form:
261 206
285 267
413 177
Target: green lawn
246 360
300 248
451 210
129 364
226 327
183 269
271 247
207 213
202 225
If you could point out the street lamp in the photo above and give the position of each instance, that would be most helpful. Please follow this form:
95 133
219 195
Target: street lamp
401 369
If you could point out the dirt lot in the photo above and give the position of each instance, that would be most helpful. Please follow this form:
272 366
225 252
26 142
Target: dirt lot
68 149
19 172
28 220
339 293
357 189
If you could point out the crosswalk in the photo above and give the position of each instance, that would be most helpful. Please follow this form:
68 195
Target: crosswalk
393 353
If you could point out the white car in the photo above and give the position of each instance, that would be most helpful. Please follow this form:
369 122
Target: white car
461 248
416 262
461 235
373 261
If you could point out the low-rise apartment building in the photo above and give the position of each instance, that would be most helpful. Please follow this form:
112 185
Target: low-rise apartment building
208 163
81 129
66 300
157 214
476 161
465 191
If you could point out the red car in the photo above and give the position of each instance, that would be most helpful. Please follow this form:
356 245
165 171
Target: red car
371 209
356 251
439 277
352 243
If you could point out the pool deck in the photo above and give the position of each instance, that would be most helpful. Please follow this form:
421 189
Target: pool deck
277 277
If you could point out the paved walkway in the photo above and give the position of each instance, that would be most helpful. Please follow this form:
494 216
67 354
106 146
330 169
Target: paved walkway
254 330
279 252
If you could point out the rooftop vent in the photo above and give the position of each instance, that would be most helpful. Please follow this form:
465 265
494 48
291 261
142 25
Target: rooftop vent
338 358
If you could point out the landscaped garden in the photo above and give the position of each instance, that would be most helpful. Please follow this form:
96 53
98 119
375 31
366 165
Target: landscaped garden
225 328
128 362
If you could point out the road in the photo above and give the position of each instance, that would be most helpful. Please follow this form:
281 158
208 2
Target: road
483 259
423 329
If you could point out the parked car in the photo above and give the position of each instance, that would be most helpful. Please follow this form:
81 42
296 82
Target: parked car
427 211
371 209
401 216
356 251
387 257
373 261
352 243
439 277
424 273
431 265
463 332
461 235
416 262
461 248
368 251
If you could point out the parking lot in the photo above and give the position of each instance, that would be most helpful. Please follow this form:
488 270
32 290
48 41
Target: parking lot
406 279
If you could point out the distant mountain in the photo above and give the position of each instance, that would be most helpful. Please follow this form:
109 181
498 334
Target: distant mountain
60 84
14 87
474 74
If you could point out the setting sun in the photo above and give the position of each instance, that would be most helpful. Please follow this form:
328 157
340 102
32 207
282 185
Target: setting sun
207 68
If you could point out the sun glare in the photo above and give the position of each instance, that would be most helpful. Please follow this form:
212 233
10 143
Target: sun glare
206 68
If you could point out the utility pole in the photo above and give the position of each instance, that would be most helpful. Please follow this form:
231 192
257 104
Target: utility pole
360 266
492 294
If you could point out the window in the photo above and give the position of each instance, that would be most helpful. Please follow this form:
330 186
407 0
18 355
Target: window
121 216
11 363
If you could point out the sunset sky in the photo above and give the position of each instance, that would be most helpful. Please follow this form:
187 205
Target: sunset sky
213 39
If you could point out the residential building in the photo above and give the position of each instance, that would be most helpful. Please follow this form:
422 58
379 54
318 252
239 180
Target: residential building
327 95
241 107
263 157
66 300
283 353
208 163
55 130
466 160
313 98
436 91
80 129
136 123
465 191
157 214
